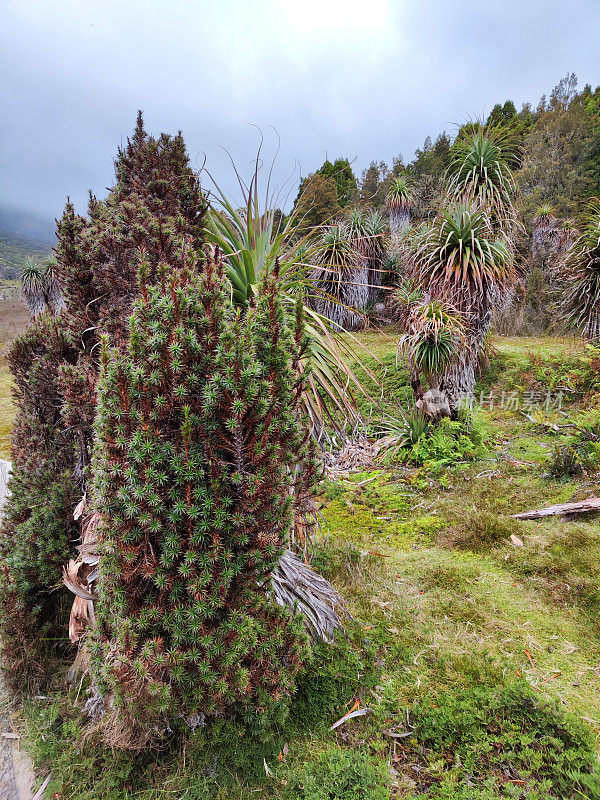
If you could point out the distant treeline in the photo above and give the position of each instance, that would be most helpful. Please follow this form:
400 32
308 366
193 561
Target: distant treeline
558 161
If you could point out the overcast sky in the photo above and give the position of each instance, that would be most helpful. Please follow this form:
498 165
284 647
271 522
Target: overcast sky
365 79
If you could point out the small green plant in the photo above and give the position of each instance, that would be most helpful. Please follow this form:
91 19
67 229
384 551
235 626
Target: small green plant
579 454
422 443
340 775
496 736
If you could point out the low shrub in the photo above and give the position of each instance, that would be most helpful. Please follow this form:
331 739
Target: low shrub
505 736
579 454
340 775
435 446
479 530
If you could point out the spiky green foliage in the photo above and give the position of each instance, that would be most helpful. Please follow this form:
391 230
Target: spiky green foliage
39 286
407 294
581 276
461 259
399 201
37 529
435 333
400 194
156 205
480 171
341 276
198 445
251 237
544 213
367 230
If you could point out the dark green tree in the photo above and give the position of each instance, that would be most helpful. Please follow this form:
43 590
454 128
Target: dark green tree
346 186
198 442
156 205
317 202
37 528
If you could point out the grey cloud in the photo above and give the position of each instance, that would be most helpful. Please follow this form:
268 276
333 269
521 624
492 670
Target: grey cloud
75 73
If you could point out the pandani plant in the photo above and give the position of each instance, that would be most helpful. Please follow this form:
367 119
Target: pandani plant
435 332
376 228
580 270
480 173
462 260
366 230
340 278
467 254
399 200
40 287
318 266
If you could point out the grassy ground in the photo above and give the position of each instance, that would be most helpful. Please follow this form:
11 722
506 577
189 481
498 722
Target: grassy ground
478 653
13 318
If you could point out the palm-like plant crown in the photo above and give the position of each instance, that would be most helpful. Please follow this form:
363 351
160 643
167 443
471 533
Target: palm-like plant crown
479 170
435 331
336 251
253 241
544 214
581 267
375 224
39 285
366 230
32 276
462 260
400 195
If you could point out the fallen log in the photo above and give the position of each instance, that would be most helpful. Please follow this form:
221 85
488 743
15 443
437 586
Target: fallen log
562 509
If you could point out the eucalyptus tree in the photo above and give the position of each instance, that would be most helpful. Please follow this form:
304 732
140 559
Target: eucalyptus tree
581 277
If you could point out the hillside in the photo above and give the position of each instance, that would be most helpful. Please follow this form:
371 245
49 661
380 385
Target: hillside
22 235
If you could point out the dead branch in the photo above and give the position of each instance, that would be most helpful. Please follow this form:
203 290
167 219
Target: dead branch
562 509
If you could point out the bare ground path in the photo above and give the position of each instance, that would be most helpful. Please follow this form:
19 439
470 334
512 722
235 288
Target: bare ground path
16 768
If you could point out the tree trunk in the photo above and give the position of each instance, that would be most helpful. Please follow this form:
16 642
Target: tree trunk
459 378
399 223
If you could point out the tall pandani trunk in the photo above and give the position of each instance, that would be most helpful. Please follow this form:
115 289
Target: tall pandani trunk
399 223
34 299
344 306
460 376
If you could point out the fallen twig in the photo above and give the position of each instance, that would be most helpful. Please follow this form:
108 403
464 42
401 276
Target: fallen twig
360 712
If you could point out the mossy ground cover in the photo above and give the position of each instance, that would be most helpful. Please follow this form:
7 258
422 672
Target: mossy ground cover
478 657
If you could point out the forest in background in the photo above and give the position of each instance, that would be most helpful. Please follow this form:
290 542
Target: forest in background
450 666
556 165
